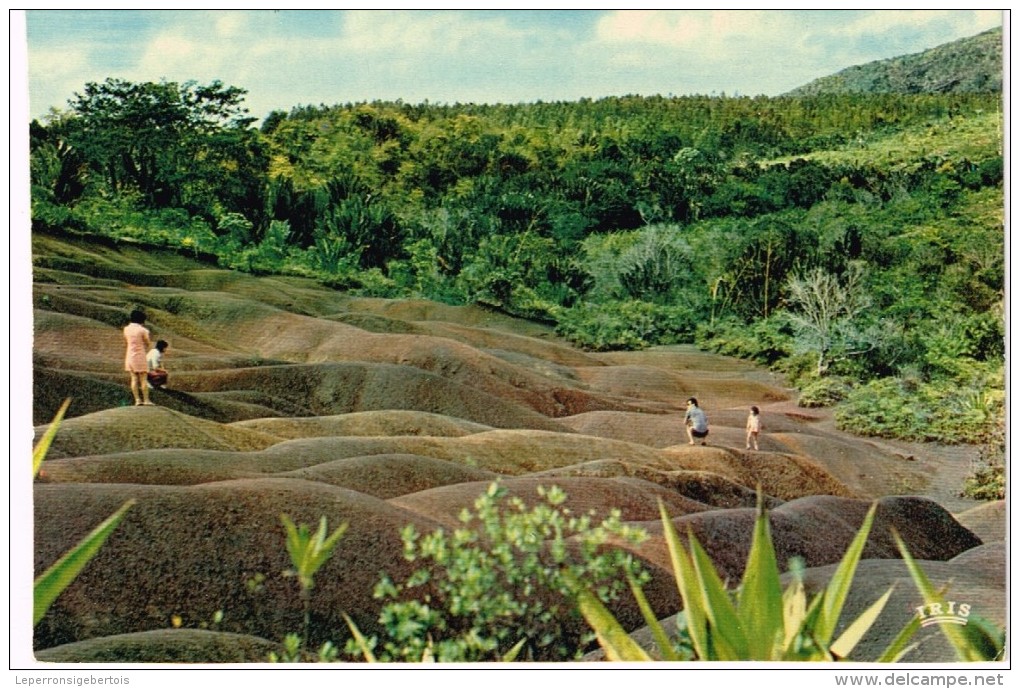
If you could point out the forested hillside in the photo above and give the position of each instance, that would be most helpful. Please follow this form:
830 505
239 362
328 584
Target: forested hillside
854 241
969 65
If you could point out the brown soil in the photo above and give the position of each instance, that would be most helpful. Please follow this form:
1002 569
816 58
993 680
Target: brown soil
286 397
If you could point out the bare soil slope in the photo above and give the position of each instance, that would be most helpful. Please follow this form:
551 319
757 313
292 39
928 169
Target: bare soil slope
288 397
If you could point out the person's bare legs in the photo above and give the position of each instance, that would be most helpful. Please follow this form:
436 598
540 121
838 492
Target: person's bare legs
134 388
138 384
690 436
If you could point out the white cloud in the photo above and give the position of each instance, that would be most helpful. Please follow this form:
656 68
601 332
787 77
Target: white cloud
231 24
768 51
58 65
705 51
284 59
426 34
372 32
170 52
54 76
719 33
688 29
371 54
878 22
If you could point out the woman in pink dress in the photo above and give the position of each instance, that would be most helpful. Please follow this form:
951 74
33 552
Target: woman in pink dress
137 337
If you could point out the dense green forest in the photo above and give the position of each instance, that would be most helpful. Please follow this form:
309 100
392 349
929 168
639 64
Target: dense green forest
854 242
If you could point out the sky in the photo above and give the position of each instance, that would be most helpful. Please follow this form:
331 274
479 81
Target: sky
286 58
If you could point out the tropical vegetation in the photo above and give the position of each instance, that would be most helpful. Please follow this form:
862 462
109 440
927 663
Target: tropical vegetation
762 621
848 237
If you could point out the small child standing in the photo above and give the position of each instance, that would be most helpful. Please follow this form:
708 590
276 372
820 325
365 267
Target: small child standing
753 428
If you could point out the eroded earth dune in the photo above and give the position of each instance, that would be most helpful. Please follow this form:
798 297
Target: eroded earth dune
289 397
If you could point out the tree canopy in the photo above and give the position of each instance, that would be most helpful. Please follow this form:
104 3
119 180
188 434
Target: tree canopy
626 221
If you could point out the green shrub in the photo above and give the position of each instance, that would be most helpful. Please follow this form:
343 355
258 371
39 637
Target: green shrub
270 254
958 347
988 478
941 411
515 273
824 392
49 215
421 273
765 342
621 325
497 587
986 483
122 217
799 369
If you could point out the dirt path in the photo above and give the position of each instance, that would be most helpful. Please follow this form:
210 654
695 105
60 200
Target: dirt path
931 470
942 468
947 466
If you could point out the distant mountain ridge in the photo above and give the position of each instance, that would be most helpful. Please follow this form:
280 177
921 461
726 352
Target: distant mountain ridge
969 65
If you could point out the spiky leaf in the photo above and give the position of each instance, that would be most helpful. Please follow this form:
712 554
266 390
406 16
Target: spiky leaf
971 642
51 583
839 586
43 446
359 639
658 633
683 571
612 637
842 647
760 603
728 638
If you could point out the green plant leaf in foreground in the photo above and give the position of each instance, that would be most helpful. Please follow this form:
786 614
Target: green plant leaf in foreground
43 446
760 600
766 623
842 646
658 633
729 641
613 638
683 570
54 580
901 645
976 641
359 639
51 583
839 586
309 552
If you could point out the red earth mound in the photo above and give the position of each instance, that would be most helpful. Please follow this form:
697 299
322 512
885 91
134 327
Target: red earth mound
165 646
391 475
634 499
120 430
928 530
289 397
191 551
386 422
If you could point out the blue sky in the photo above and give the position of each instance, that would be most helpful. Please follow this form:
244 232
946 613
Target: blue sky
299 57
